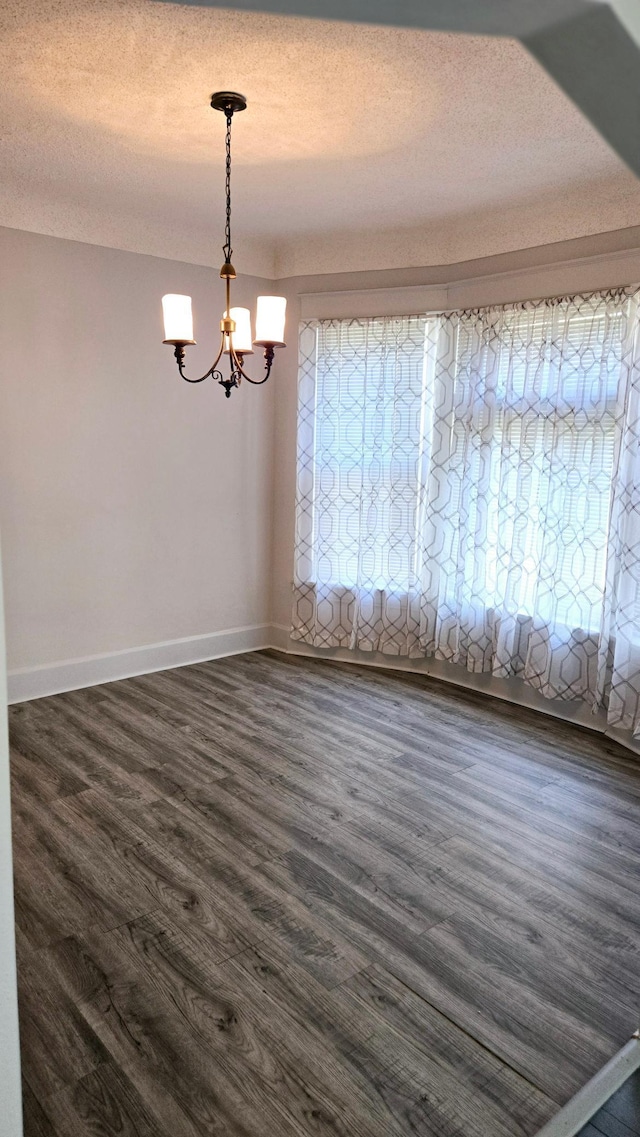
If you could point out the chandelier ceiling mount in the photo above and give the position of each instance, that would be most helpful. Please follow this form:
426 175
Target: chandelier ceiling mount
229 102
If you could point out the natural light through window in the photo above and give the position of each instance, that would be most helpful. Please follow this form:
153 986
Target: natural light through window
466 484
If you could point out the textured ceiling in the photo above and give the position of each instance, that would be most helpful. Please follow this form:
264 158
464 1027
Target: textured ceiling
354 130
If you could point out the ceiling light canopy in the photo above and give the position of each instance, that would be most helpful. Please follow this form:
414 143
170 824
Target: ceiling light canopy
235 325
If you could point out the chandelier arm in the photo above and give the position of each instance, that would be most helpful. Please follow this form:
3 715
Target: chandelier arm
237 360
218 356
188 380
268 355
258 382
179 354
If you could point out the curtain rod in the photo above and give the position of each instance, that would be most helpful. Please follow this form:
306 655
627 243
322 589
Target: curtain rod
630 289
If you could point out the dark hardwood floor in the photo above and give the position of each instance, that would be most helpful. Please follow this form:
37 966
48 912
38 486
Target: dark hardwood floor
270 896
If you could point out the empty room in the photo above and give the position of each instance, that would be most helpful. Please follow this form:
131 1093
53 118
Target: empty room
320 546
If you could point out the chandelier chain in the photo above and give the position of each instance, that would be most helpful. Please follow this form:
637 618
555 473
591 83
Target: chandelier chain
226 248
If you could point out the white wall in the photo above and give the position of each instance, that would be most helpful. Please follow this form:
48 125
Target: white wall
137 510
134 509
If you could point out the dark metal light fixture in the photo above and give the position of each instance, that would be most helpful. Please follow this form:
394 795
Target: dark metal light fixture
235 325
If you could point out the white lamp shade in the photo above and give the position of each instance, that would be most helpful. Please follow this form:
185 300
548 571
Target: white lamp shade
178 319
242 341
270 320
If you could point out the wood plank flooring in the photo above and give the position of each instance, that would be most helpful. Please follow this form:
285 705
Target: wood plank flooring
270 896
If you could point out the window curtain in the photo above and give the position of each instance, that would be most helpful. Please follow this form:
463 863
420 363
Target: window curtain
469 489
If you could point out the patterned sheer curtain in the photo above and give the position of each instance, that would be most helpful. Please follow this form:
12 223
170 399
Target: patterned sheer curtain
469 489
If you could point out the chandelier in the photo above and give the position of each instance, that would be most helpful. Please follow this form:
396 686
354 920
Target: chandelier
235 325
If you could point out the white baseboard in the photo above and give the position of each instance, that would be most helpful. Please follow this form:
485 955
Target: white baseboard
586 1103
280 638
71 674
